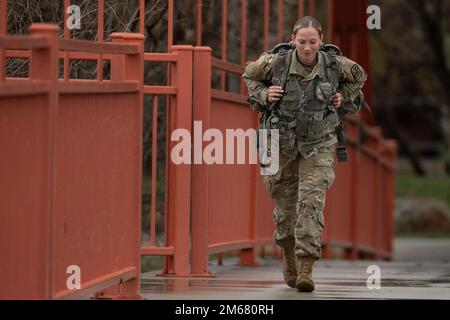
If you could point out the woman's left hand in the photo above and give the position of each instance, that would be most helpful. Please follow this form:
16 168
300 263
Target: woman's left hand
336 99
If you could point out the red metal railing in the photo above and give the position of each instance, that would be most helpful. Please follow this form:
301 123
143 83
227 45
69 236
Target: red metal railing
359 206
71 171
177 180
200 219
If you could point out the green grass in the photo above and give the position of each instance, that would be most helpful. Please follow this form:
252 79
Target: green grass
412 186
416 235
150 263
146 199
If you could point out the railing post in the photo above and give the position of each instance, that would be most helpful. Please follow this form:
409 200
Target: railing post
3 28
179 176
390 154
377 213
44 66
3 21
2 65
248 256
280 16
200 171
243 40
312 7
354 158
330 20
131 67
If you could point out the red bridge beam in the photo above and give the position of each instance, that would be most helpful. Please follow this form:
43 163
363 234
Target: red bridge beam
347 28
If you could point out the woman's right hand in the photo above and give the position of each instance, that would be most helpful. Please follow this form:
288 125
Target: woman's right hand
275 93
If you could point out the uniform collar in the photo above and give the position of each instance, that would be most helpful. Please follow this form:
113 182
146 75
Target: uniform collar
297 68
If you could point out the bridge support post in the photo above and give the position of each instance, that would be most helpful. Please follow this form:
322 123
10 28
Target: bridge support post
130 67
44 66
200 170
390 154
179 175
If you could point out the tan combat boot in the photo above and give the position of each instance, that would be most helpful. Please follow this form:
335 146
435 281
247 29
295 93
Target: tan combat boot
289 267
305 282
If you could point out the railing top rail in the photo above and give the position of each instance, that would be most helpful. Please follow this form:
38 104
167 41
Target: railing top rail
29 42
370 132
227 66
15 88
96 47
23 42
160 57
229 96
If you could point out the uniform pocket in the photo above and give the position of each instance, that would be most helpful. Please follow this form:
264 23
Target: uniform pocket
271 182
324 168
287 143
290 96
332 120
324 162
289 104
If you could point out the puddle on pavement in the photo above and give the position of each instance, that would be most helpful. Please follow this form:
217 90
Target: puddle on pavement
180 285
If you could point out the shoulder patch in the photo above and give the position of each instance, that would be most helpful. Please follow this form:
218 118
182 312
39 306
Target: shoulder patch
356 72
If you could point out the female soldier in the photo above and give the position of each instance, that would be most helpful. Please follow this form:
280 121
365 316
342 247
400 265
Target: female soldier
303 91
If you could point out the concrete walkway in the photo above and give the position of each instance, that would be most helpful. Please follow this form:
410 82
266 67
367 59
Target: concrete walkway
421 270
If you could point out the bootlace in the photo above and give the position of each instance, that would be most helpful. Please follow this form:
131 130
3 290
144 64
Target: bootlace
306 266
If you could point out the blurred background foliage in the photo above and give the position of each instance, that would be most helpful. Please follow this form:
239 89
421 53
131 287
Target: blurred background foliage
410 69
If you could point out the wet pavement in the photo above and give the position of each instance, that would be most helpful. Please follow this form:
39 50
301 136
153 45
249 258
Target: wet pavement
405 278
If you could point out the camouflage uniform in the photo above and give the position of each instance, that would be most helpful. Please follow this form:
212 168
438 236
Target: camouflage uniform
306 168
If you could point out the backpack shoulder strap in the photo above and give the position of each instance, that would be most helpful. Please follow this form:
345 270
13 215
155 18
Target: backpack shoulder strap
331 51
331 48
331 68
281 68
283 54
285 46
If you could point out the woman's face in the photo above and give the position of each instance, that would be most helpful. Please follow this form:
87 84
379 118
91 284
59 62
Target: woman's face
307 41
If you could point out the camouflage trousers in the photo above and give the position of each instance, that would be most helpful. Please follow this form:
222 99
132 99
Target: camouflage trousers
298 189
